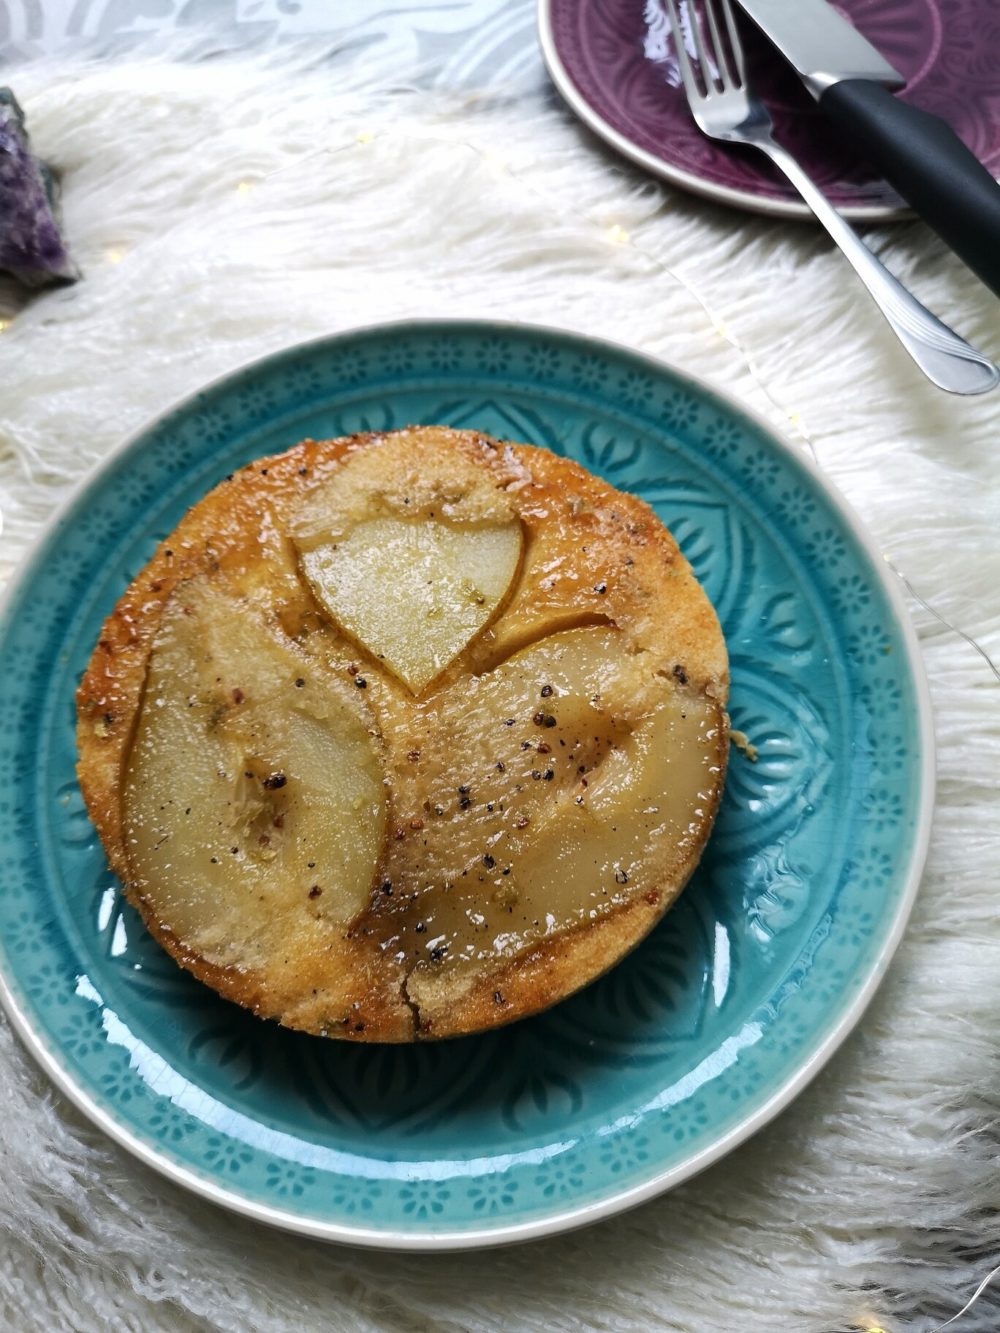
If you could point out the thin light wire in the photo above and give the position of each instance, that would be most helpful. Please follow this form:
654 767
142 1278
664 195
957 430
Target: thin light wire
978 1291
624 238
621 236
955 629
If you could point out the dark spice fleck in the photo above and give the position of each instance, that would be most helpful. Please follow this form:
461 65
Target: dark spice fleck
680 674
521 821
464 803
439 809
274 780
601 588
361 683
464 790
311 865
303 471
413 755
416 823
506 870
539 719
315 891
438 953
548 775
386 888
549 720
352 668
546 691
621 876
500 766
488 861
536 774
238 696
420 927
543 748
299 683
508 721
497 997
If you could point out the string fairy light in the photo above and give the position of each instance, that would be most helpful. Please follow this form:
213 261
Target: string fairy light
975 1295
618 235
955 629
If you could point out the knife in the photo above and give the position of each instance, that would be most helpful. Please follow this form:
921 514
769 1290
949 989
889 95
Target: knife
917 153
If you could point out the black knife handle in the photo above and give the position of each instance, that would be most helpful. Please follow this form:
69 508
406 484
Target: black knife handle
929 165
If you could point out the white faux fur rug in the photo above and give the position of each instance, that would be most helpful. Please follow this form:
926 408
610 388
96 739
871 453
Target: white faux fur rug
223 209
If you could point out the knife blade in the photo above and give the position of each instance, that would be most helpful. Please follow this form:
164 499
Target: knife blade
918 153
823 47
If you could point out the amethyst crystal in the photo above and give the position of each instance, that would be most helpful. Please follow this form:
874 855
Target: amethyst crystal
30 245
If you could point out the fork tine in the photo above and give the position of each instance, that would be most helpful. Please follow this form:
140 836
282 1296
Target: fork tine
699 46
721 63
735 44
687 73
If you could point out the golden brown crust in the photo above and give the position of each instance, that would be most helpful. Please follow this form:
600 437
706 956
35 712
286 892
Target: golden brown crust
619 565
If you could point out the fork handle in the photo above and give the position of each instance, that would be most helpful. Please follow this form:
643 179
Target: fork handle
941 354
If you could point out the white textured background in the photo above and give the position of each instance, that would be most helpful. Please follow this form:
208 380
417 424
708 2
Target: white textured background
223 209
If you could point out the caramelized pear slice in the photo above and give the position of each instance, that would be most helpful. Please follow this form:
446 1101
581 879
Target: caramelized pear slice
562 783
254 806
414 593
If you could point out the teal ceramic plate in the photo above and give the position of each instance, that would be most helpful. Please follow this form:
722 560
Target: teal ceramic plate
694 1041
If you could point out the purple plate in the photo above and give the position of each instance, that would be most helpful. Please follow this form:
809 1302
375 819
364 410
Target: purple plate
614 63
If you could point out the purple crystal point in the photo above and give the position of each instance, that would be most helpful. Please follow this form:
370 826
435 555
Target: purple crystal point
31 247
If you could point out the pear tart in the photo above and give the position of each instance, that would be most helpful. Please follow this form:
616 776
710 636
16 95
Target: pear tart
407 735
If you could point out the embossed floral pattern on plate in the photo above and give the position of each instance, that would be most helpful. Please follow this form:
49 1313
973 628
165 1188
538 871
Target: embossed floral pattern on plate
613 61
642 1076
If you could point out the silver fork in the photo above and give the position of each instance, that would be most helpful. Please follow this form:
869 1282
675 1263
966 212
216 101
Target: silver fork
725 107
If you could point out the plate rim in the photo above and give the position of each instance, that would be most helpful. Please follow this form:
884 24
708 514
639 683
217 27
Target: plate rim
572 1218
660 167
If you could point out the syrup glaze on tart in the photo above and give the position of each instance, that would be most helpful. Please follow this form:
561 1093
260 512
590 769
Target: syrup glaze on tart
407 735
